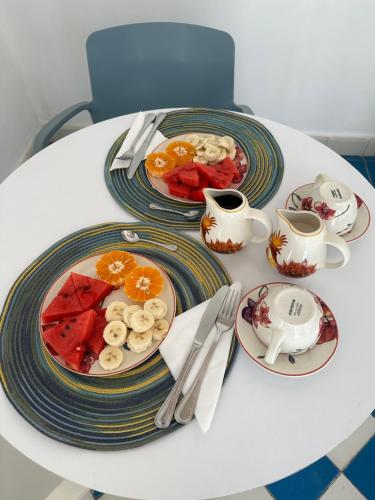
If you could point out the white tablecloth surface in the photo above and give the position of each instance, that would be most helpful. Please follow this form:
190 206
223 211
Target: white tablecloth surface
266 426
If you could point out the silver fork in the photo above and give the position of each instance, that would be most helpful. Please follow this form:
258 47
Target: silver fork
129 154
225 321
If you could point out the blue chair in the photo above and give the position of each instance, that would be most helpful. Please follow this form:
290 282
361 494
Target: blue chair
150 66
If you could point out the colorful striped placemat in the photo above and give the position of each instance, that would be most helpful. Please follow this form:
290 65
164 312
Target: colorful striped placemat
88 412
266 165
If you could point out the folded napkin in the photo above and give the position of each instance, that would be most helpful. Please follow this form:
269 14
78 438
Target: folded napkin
175 349
129 139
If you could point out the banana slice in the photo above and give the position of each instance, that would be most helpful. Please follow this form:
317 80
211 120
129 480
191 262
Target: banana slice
139 342
114 311
141 321
232 153
226 142
200 159
223 154
157 307
128 313
115 333
212 151
194 139
160 329
111 357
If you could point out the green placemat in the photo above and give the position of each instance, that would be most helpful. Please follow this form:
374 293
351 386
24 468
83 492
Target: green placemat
265 160
89 412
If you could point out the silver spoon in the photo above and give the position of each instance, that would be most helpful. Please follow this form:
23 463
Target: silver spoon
133 237
189 215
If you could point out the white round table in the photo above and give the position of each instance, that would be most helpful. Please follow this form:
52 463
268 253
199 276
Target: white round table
266 427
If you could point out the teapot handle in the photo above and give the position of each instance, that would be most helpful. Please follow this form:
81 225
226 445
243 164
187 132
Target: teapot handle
262 217
273 349
338 242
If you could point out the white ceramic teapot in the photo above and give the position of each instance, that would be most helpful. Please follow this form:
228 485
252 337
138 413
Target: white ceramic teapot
287 319
334 202
298 247
227 225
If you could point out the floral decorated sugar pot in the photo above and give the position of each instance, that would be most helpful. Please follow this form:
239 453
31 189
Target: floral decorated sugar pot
334 202
227 225
287 319
298 247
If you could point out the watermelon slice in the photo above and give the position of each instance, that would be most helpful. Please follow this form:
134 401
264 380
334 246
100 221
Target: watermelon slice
189 178
189 166
179 190
70 333
205 171
221 181
65 304
95 342
90 291
75 358
229 165
197 195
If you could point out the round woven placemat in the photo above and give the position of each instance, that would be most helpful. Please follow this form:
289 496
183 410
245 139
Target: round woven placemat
266 165
89 412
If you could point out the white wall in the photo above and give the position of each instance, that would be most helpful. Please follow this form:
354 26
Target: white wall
18 119
307 63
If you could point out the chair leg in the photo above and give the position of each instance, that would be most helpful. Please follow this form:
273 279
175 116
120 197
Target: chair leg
246 109
96 494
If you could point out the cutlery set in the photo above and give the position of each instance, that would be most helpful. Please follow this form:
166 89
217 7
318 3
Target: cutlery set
220 313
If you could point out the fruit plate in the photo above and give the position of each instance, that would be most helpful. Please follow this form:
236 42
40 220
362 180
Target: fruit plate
97 413
87 267
264 174
160 185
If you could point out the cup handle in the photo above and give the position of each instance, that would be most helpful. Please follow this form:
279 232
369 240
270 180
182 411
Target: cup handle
319 179
338 242
262 217
274 348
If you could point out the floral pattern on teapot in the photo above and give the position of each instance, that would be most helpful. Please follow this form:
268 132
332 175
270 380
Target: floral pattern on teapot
207 223
291 268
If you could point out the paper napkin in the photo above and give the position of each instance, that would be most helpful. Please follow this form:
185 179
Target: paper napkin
175 349
129 139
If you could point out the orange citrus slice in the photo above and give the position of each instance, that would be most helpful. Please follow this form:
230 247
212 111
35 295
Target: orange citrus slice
181 151
113 267
143 283
159 163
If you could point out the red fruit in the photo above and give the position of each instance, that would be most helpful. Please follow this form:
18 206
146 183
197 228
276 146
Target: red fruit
187 167
197 195
172 176
237 178
179 190
239 153
189 178
65 303
74 359
229 165
95 342
70 333
221 181
203 183
205 171
90 291
242 168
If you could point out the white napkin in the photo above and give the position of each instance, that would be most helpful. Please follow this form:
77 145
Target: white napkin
157 139
175 349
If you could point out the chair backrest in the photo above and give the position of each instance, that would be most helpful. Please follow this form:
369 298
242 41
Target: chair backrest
159 65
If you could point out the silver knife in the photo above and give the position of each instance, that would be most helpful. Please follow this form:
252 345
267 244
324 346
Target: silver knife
140 154
164 416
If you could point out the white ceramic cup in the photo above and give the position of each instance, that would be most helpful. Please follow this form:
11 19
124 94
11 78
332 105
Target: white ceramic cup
334 202
287 319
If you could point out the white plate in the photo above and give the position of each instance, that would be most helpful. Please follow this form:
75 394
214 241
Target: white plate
87 267
287 365
161 186
363 218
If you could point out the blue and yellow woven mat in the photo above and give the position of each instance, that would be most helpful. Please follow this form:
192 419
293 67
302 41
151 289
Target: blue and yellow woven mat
266 165
88 412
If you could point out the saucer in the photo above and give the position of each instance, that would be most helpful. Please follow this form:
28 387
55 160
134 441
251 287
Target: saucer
287 365
361 224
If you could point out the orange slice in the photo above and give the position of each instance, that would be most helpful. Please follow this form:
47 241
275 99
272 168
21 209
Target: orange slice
143 283
181 151
113 267
159 163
